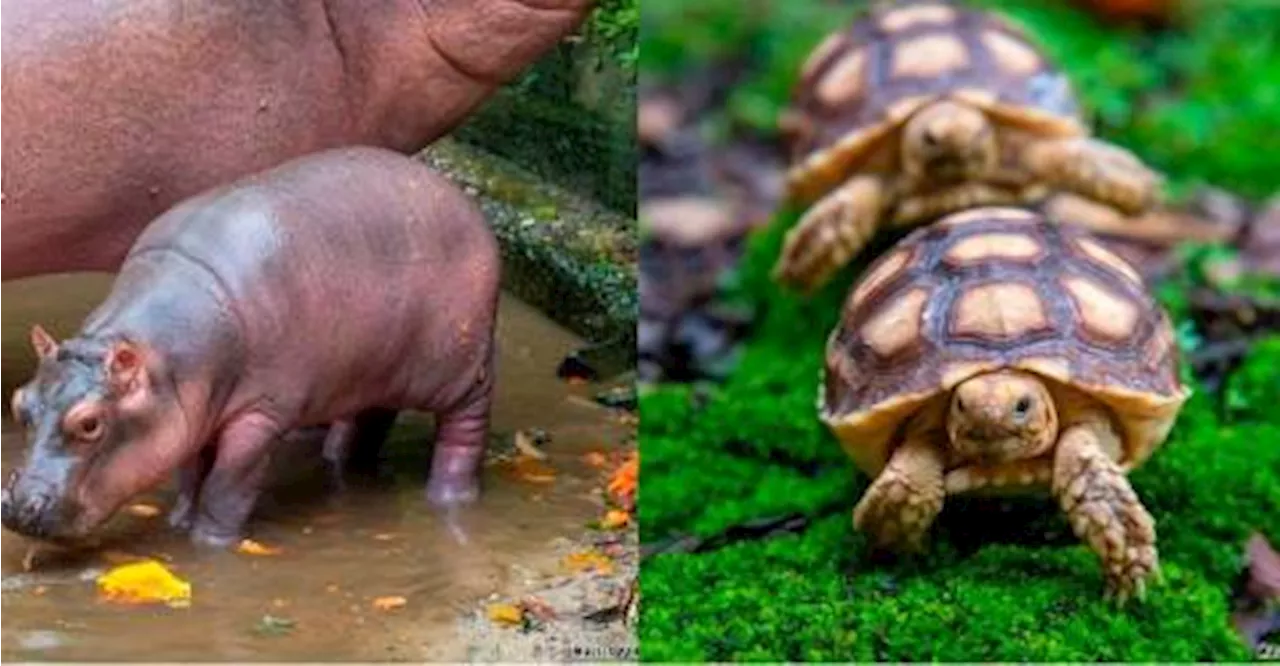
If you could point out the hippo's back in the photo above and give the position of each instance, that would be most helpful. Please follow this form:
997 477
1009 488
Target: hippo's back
349 260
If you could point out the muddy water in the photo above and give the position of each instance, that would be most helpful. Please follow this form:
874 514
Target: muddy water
340 551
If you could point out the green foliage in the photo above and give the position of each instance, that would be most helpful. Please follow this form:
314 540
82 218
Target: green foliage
1007 586
571 117
1254 390
617 24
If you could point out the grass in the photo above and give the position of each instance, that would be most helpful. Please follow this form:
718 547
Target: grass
1017 586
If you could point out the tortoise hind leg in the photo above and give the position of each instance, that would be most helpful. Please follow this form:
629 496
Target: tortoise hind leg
902 503
1103 509
1095 169
831 233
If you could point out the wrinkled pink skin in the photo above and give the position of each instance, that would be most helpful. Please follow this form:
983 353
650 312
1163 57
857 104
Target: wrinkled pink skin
116 110
348 284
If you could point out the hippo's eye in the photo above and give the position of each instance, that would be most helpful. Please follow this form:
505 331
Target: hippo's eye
89 428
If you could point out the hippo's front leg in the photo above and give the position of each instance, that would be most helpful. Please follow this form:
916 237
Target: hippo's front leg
235 480
190 477
459 453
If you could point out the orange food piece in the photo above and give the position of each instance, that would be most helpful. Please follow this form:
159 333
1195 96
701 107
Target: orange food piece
587 561
622 485
615 519
532 470
505 614
251 547
389 603
144 510
144 582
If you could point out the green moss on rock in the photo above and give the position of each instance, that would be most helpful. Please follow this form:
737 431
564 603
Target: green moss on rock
571 117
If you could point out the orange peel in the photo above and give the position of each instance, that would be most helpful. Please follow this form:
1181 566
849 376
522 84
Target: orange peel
144 582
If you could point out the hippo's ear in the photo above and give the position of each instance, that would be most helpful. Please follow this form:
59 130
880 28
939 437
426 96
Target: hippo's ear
124 366
44 344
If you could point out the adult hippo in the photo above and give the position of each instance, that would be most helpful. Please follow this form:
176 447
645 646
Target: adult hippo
118 109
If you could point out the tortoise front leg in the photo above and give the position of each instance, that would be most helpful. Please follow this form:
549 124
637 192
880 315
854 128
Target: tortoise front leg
1095 169
902 503
1103 509
831 233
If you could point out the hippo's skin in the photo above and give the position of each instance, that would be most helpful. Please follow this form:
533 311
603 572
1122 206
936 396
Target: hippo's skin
338 287
115 110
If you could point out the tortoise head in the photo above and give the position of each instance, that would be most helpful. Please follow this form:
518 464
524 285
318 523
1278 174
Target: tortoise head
948 141
1001 416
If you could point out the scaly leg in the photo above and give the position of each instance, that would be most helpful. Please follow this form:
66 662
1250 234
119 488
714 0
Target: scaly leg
235 481
1095 169
902 503
1103 509
831 233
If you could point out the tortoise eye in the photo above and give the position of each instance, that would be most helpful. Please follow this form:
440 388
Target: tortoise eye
959 405
1021 409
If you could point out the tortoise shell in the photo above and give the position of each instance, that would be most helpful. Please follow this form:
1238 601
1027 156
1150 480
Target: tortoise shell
862 84
994 288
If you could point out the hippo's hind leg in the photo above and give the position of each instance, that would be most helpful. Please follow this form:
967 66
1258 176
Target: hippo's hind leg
461 435
356 445
371 429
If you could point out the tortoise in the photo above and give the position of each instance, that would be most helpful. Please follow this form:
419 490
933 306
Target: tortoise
999 352
921 109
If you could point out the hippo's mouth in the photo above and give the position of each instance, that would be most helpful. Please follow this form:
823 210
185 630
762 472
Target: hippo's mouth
50 519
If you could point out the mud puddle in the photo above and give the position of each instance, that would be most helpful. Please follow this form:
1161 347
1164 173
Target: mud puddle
315 599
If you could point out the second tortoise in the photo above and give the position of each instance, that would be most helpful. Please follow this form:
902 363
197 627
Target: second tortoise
922 109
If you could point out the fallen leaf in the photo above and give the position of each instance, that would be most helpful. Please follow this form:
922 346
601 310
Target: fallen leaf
525 445
595 459
39 590
538 608
383 537
271 625
505 614
533 471
251 547
143 583
622 485
143 510
29 559
587 561
389 603
279 603
331 588
614 519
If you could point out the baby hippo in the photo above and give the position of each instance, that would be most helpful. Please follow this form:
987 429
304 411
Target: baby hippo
340 287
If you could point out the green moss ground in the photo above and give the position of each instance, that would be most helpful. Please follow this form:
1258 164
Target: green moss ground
1016 587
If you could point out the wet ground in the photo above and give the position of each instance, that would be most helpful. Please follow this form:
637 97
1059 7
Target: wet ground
340 552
